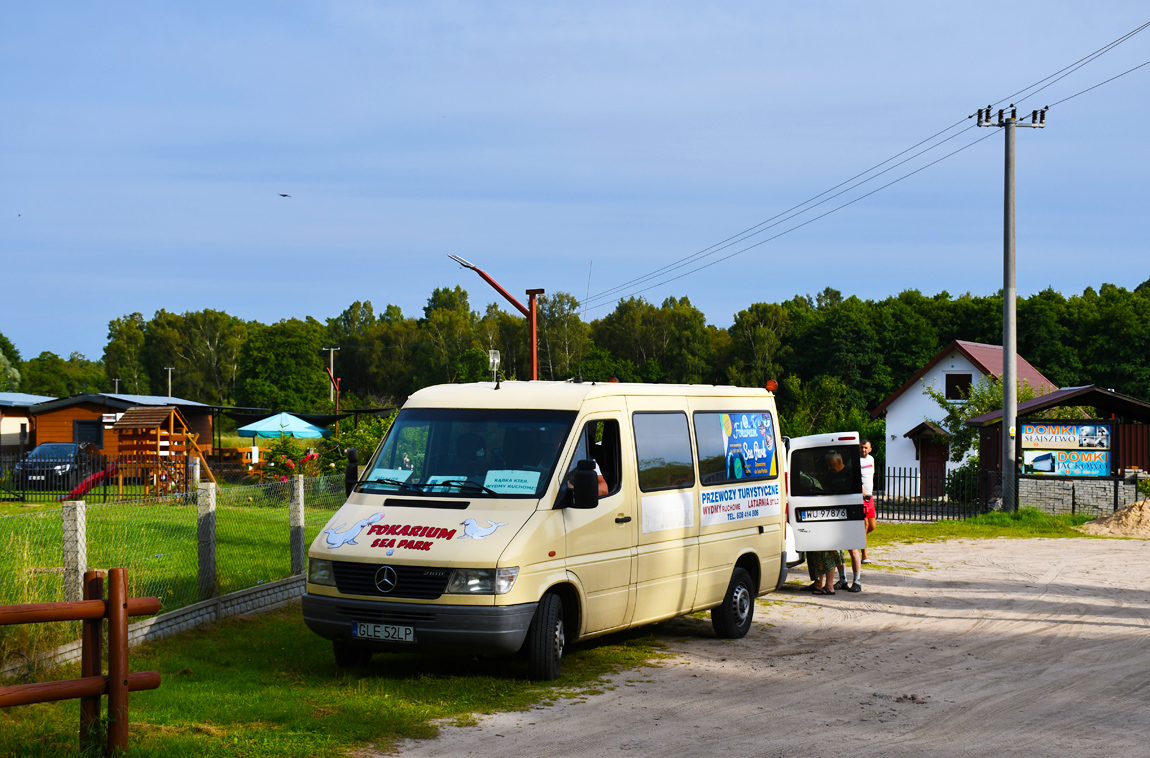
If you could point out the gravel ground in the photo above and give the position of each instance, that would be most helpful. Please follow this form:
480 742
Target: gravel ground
963 648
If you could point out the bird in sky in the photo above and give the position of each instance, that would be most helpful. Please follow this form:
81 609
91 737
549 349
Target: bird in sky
283 195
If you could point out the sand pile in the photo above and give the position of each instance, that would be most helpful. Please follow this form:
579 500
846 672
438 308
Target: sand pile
1131 521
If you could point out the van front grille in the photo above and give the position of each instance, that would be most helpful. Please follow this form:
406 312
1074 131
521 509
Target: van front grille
419 582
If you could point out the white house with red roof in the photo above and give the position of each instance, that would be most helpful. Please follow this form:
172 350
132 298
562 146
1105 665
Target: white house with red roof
912 441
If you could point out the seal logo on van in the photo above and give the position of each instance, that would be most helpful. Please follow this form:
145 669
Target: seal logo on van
338 537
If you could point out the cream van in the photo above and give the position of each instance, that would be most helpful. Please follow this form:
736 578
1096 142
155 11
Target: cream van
524 516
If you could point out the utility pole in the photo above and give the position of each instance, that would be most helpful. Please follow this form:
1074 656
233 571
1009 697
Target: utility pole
331 371
169 370
1009 300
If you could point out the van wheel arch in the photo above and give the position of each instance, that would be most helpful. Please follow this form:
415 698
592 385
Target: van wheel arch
572 609
749 562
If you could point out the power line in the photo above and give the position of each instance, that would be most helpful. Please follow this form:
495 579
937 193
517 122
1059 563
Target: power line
808 221
1076 94
795 211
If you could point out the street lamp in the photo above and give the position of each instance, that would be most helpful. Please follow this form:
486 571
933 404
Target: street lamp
529 313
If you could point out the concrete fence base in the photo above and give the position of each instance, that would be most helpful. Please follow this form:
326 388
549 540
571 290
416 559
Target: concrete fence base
262 597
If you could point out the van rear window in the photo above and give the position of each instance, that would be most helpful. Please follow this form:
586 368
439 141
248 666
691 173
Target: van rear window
829 470
735 446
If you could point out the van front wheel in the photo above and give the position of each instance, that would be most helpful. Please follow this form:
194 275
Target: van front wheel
732 619
546 638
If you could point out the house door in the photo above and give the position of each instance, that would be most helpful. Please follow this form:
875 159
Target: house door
932 468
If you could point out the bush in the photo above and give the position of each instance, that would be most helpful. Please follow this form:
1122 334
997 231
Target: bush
962 483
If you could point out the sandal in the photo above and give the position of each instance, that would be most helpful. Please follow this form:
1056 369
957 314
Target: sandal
820 591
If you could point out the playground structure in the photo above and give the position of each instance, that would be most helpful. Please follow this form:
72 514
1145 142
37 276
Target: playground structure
156 449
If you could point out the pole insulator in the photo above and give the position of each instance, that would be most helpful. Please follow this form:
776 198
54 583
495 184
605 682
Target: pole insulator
1000 115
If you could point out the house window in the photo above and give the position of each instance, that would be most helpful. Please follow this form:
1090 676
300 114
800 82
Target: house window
88 431
957 386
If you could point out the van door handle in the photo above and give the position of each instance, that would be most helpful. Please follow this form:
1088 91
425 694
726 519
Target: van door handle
622 519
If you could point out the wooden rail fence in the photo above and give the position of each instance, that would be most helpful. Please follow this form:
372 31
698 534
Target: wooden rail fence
92 684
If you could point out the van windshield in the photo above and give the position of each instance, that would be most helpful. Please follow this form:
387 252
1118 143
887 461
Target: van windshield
829 470
472 453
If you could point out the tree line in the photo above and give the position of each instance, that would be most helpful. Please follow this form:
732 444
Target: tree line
834 357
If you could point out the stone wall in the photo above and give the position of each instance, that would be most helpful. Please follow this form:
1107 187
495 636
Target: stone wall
1058 496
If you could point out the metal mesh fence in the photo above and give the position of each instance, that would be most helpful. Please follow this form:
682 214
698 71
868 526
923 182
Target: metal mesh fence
158 540
253 537
154 539
31 571
323 496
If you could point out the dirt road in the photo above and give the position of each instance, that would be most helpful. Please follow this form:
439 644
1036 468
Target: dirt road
1009 647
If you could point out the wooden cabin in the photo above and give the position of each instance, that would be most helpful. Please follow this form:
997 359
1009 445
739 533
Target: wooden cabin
90 417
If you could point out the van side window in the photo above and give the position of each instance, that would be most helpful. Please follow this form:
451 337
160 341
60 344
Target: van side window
736 446
663 449
599 441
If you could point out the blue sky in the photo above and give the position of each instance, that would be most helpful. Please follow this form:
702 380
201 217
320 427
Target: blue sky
143 147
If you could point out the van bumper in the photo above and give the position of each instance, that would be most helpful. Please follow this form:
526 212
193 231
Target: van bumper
465 628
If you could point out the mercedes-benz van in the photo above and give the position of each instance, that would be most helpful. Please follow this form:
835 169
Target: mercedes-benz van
521 516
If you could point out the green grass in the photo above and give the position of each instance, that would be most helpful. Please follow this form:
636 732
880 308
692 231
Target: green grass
266 686
1027 522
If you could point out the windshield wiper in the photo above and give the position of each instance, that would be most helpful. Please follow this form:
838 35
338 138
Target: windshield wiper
463 483
395 483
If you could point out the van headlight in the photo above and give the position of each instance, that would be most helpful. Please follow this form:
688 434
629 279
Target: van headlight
482 581
320 571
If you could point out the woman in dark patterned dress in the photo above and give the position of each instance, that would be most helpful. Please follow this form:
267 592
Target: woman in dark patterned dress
821 568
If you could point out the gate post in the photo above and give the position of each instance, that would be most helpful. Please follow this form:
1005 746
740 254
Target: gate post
296 522
75 534
206 529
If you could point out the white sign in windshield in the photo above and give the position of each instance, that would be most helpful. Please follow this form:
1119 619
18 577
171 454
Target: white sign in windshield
512 482
398 474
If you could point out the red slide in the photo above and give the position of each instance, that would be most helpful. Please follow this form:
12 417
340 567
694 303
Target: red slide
83 487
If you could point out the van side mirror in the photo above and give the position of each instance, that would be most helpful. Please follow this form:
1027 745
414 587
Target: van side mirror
584 485
351 473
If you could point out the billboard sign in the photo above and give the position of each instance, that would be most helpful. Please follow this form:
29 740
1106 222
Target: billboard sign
1057 448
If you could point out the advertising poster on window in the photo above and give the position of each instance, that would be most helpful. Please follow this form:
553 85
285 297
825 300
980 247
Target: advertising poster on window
1066 449
750 442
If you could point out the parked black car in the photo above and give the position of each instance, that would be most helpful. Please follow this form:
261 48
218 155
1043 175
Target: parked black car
56 466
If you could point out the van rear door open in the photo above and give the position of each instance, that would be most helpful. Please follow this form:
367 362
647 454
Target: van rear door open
826 500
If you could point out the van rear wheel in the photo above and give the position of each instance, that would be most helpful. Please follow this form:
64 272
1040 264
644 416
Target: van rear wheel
546 638
732 619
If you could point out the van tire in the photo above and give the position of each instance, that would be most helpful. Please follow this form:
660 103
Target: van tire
348 656
546 638
732 619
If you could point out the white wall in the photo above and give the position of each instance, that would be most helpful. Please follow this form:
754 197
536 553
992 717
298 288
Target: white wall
914 406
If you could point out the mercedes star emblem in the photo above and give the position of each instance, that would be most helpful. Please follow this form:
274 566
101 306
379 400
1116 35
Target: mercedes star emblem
386 579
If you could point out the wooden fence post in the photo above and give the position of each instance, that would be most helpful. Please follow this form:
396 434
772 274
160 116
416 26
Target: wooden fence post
296 522
75 538
117 660
206 528
91 661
